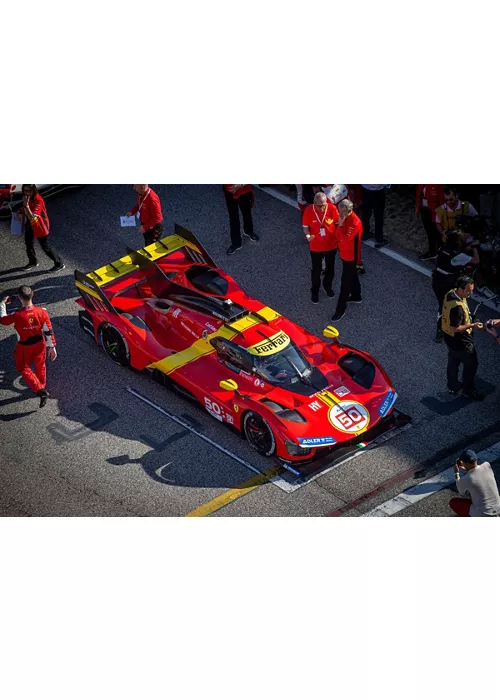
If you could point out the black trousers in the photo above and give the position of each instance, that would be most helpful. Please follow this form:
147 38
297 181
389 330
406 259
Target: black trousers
317 266
434 240
467 358
153 234
234 206
29 239
441 285
349 286
373 203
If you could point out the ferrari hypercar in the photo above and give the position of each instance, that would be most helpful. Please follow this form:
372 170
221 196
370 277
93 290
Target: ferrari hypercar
168 309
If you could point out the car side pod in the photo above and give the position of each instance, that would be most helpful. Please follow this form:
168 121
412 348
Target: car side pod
331 332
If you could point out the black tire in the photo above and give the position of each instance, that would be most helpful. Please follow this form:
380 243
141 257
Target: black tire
114 344
259 434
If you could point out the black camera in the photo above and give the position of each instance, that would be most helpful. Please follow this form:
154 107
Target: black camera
489 325
475 225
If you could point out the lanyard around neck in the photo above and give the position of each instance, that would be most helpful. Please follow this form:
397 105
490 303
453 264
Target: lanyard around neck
145 197
321 222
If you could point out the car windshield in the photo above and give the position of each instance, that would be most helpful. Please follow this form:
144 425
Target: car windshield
287 366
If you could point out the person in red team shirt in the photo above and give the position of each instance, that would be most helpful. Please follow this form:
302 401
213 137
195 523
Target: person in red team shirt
349 233
149 209
35 223
34 334
318 223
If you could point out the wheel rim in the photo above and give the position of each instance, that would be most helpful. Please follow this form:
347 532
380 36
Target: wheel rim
258 434
114 346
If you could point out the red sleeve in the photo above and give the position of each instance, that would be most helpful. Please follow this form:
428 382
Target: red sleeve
8 320
47 327
40 224
306 218
134 210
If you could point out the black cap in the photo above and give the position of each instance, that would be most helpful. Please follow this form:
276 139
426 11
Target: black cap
468 456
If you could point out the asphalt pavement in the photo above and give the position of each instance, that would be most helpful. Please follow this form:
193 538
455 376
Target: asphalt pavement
99 450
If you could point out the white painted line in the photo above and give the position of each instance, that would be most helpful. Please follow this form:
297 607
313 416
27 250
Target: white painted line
277 481
386 251
427 488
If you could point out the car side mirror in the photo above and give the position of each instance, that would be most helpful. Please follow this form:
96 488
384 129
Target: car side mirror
331 332
228 385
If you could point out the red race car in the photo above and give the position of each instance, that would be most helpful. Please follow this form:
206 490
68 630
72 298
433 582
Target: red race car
167 308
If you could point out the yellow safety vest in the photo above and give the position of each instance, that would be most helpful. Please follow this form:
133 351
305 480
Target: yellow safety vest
447 218
450 304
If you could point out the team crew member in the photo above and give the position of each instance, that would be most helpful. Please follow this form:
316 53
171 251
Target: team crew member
239 198
446 215
429 198
35 223
34 334
349 234
373 198
454 255
457 328
479 484
319 222
149 209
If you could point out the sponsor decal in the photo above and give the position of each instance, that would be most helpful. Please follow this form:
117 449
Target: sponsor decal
190 330
279 341
236 408
204 334
329 222
32 320
258 382
319 441
349 417
218 411
341 391
210 327
388 403
176 313
315 406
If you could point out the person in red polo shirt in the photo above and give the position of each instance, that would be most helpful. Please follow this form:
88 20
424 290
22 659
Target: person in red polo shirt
349 234
148 208
319 222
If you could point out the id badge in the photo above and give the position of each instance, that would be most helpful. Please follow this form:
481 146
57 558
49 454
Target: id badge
138 216
322 232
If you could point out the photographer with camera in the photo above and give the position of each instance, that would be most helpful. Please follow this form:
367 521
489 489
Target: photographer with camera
458 325
457 256
447 213
479 487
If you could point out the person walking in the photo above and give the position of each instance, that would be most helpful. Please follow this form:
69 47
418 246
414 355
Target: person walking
429 198
479 487
373 202
35 224
457 326
34 334
239 198
148 209
349 234
318 223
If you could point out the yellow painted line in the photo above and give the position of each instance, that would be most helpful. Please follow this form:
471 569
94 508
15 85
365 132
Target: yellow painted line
233 494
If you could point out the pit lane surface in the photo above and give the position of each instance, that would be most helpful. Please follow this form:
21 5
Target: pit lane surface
96 449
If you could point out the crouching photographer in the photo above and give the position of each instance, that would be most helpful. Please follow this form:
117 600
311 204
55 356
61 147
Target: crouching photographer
457 256
477 484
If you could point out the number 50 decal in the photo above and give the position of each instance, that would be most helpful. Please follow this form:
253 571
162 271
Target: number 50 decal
349 417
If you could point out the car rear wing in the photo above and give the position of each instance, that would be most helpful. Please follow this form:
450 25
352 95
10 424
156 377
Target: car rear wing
93 296
182 238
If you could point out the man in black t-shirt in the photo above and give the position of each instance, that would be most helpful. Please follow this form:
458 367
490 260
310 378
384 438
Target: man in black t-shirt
458 325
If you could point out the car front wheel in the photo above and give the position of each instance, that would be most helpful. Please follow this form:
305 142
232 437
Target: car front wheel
259 434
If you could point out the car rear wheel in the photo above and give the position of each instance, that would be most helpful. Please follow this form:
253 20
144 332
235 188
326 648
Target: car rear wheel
114 344
259 434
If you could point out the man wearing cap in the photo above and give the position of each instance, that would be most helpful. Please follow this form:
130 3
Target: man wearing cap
479 487
318 223
148 209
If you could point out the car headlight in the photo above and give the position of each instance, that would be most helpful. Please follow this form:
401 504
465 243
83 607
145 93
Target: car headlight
296 450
